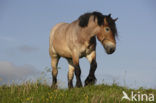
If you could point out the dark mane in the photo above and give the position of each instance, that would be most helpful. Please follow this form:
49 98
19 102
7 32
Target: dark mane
84 19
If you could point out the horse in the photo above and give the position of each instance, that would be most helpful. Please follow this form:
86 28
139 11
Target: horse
77 39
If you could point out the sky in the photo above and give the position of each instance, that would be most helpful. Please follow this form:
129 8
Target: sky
24 40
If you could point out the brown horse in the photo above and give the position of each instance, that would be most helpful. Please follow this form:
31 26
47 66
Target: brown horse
78 39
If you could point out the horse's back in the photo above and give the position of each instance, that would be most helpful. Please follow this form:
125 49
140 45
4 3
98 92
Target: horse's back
54 29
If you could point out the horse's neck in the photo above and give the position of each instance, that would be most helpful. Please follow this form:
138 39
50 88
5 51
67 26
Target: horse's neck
85 34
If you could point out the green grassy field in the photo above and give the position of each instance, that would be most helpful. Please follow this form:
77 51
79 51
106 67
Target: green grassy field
40 93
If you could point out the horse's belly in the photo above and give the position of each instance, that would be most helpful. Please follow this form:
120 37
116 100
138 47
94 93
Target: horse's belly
86 51
64 53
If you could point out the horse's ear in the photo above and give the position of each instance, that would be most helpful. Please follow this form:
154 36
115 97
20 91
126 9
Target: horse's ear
109 15
83 20
115 19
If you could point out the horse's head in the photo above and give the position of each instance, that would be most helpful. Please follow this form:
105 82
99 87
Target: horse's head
108 34
103 26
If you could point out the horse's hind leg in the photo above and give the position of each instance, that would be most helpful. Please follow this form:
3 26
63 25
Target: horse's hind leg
54 63
93 65
70 73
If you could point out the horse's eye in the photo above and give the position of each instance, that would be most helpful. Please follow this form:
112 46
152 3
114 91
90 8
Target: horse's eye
107 29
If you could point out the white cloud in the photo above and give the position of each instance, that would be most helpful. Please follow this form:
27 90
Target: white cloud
10 71
26 48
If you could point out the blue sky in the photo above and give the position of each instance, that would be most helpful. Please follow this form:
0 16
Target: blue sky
24 39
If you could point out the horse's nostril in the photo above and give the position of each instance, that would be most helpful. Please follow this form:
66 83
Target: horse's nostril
112 50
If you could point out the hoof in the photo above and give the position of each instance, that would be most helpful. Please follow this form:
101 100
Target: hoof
78 84
70 85
54 86
90 80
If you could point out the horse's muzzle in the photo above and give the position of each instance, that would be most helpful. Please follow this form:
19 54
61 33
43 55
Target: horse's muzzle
110 50
110 47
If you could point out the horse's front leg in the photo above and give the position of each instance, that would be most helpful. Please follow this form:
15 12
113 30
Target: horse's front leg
75 58
91 79
78 76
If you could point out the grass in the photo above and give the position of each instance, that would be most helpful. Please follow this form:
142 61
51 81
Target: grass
42 93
